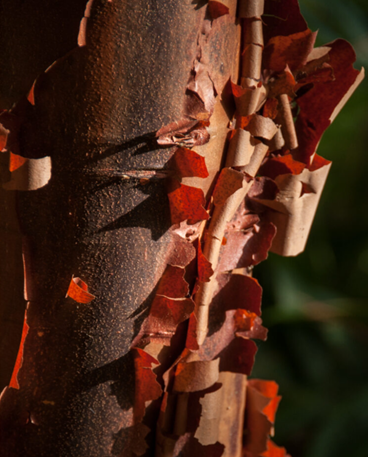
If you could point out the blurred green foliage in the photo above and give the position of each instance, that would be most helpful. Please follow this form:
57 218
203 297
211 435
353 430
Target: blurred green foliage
315 305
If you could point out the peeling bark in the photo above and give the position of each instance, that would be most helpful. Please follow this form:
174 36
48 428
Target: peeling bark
145 172
97 108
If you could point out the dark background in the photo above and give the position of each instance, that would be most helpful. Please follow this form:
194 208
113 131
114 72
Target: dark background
315 305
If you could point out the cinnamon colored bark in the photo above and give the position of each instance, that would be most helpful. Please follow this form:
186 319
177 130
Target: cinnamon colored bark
96 113
145 177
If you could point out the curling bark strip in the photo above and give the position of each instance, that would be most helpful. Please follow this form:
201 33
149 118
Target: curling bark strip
223 213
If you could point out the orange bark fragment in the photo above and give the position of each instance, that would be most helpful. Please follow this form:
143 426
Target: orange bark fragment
246 248
243 121
282 18
270 410
205 270
268 389
270 108
244 320
227 184
319 106
188 163
146 386
172 283
238 291
19 360
16 161
192 339
78 291
314 73
273 450
281 165
31 96
238 356
283 83
217 9
262 402
292 50
238 91
182 250
187 203
163 320
318 162
171 312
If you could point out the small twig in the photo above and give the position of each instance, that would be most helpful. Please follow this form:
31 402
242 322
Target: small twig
287 122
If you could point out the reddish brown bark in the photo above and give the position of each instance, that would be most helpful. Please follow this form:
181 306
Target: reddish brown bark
176 167
96 112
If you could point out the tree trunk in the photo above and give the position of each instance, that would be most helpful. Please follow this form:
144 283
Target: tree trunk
139 314
96 112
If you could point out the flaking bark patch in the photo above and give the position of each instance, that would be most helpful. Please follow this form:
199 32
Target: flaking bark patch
180 167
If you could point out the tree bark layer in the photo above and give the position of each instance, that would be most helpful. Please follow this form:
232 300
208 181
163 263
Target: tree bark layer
96 113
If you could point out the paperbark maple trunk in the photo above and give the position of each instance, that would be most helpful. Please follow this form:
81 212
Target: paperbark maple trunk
96 113
121 352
